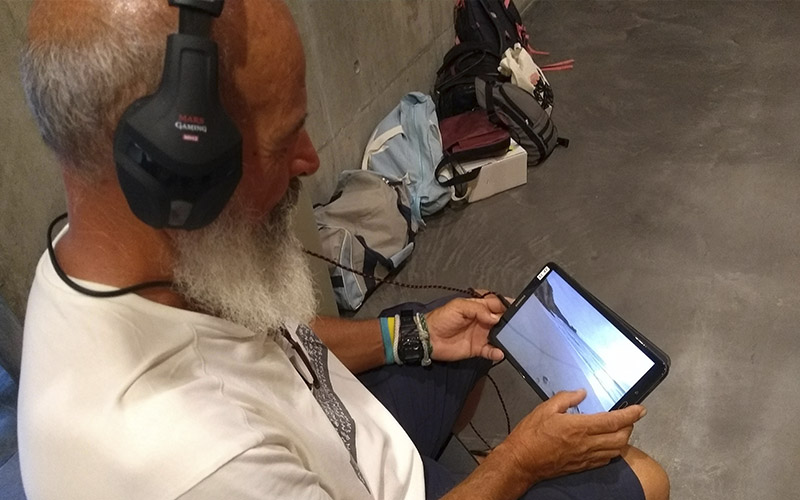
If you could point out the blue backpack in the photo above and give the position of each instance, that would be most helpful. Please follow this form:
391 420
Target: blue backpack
406 146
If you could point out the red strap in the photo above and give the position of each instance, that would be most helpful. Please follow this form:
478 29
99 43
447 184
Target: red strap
535 52
568 62
559 66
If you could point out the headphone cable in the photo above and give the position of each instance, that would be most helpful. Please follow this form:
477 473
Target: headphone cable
167 284
88 291
466 291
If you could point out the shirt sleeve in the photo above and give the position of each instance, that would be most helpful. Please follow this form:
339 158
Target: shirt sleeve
264 472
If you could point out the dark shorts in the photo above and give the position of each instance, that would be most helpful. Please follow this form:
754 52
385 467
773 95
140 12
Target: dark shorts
427 402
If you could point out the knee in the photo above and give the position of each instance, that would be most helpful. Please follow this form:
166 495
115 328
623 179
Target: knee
652 476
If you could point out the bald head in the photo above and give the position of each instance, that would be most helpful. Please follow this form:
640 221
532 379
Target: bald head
87 60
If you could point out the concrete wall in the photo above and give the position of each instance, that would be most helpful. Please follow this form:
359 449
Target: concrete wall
30 187
362 57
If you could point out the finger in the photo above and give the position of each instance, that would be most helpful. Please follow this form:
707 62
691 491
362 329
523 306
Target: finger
614 441
612 421
593 460
491 353
603 458
481 310
622 437
565 400
492 300
493 303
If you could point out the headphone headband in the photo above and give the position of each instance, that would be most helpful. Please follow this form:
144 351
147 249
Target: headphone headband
213 7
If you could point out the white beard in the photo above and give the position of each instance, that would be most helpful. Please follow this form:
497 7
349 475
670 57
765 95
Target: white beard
253 274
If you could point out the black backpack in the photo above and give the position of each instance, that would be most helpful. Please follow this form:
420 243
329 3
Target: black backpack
519 112
454 90
495 23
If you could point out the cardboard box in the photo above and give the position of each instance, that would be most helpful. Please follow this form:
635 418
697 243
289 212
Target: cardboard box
497 174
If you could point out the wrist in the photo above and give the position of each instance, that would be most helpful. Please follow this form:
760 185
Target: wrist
514 476
499 477
412 343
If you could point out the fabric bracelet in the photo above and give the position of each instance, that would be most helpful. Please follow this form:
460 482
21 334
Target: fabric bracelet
424 324
390 322
387 341
396 340
424 337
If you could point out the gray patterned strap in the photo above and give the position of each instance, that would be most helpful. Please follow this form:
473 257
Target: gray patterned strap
326 397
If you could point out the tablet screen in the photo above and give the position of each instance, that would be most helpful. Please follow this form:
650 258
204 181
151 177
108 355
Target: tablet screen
564 343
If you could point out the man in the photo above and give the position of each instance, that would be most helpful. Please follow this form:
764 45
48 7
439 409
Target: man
213 387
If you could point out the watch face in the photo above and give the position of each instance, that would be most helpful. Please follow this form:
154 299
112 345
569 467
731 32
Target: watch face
410 350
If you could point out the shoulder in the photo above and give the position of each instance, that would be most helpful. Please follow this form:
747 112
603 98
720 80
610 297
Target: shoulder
115 400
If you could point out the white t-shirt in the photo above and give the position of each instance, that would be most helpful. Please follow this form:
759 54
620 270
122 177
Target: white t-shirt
125 398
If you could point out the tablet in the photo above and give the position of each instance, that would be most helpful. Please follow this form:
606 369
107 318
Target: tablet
560 337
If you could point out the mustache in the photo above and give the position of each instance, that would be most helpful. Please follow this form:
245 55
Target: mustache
292 195
275 220
288 203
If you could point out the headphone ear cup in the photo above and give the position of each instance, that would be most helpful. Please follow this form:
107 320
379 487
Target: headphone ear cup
212 201
161 198
178 154
146 196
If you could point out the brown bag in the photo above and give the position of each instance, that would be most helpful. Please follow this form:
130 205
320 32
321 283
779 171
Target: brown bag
467 137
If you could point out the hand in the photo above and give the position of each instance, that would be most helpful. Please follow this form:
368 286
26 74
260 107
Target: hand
550 443
460 329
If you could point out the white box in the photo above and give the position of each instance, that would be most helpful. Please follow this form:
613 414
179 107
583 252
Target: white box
497 174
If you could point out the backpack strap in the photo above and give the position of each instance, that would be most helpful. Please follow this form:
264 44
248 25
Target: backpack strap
490 107
371 261
461 50
449 160
495 24
377 143
455 56
405 212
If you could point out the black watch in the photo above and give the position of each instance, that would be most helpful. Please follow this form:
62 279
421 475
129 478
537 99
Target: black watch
409 346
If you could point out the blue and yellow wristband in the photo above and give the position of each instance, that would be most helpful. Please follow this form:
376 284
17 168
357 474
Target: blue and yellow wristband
387 332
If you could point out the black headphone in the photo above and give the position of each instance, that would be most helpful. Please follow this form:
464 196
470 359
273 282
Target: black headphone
178 153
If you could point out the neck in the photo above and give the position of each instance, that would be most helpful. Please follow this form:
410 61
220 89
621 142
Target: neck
106 244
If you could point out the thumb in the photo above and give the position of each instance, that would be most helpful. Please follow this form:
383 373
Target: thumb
487 317
565 400
483 313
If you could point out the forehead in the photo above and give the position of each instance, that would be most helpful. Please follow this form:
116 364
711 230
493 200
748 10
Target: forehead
262 56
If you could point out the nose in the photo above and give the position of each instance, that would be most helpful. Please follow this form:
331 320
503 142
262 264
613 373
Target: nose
305 161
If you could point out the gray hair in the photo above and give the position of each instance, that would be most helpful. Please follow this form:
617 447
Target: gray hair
78 87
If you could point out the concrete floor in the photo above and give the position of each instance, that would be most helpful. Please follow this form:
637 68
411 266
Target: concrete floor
677 204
